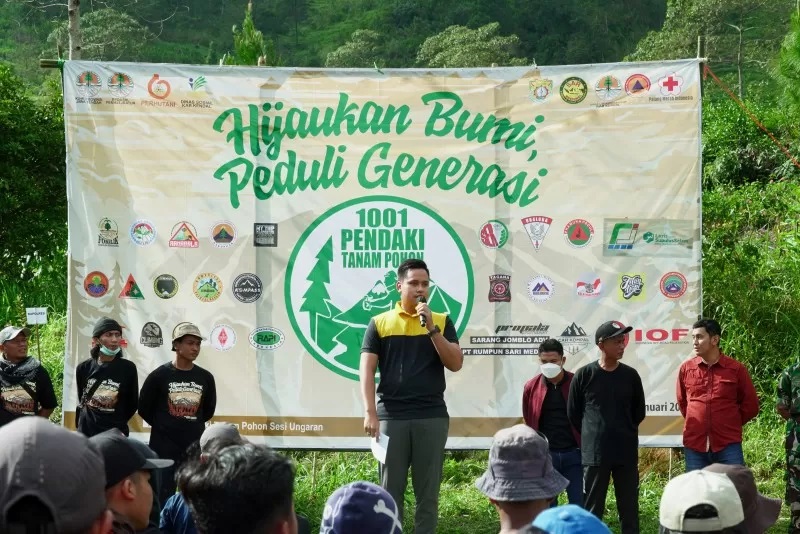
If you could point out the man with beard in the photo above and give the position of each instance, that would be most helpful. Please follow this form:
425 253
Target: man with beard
25 386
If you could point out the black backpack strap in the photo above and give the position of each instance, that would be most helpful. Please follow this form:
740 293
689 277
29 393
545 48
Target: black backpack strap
29 390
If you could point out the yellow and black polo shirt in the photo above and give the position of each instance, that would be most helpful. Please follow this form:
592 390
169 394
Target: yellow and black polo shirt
411 373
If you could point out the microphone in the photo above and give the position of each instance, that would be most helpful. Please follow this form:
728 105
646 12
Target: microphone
423 322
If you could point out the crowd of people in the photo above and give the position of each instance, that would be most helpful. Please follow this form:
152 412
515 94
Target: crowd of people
580 431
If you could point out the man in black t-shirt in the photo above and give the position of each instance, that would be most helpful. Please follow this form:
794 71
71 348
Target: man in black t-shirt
25 386
606 402
176 400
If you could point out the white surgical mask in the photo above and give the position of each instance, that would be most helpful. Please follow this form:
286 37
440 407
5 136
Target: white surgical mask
550 370
109 352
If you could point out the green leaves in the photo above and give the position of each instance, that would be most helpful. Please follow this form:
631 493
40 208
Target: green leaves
462 47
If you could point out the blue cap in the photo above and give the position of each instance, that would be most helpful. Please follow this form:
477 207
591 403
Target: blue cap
569 519
361 507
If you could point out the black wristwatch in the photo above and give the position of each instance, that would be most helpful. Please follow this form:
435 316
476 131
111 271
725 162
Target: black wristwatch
436 330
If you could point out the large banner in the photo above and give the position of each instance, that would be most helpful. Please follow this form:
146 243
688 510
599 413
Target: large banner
272 208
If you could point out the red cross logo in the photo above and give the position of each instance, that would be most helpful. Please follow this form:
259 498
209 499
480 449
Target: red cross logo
670 83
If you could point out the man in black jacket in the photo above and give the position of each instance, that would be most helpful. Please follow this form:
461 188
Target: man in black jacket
25 386
606 402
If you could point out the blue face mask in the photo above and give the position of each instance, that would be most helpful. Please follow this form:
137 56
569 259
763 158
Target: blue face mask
109 352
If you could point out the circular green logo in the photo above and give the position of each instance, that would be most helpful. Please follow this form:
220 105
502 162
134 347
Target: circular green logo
343 271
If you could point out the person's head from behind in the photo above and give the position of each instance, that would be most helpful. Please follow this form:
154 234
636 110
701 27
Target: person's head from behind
570 519
760 511
51 480
127 476
520 480
361 507
701 501
240 489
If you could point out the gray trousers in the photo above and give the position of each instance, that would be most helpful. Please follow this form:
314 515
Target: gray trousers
418 443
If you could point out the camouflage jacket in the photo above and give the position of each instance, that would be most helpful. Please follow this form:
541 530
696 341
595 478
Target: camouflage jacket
789 392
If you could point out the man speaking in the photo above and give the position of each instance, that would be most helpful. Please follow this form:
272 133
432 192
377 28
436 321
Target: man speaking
411 346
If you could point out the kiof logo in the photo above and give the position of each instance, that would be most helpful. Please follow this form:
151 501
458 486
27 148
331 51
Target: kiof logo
631 286
540 288
608 88
247 287
266 338
184 235
120 84
500 288
573 90
131 290
207 287
88 83
95 284
574 339
673 285
578 233
151 335
539 89
494 234
265 234
359 244
108 233
143 232
623 236
536 226
222 337
165 286
158 87
637 85
223 234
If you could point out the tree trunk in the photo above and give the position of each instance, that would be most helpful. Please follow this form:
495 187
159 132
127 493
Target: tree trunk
75 39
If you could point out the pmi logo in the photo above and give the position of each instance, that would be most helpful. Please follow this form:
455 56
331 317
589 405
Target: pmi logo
622 236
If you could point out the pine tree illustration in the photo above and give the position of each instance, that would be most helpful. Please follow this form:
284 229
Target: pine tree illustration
316 299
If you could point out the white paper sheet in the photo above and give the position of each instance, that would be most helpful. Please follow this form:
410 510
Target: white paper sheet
379 447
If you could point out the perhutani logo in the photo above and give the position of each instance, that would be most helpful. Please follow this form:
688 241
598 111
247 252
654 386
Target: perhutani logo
158 87
631 286
266 338
359 244
623 236
574 339
494 234
536 226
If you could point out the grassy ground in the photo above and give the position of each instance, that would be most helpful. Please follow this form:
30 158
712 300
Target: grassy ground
462 508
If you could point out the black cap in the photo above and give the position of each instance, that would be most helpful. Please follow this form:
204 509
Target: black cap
121 458
610 329
105 324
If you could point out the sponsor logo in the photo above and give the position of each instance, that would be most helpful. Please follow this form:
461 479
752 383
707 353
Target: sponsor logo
522 329
540 288
359 244
671 85
197 82
184 236
623 236
608 88
631 286
95 284
494 234
223 234
143 232
165 286
673 285
247 287
579 233
88 84
539 89
507 334
637 85
158 87
207 287
265 234
573 90
120 85
536 227
151 335
665 238
589 285
658 336
108 233
131 290
223 337
500 288
574 339
266 338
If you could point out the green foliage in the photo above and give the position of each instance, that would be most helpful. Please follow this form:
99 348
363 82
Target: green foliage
362 50
108 35
458 46
250 46
787 70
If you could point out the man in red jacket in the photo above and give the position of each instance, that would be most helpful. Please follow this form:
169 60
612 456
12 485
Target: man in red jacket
716 397
544 408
